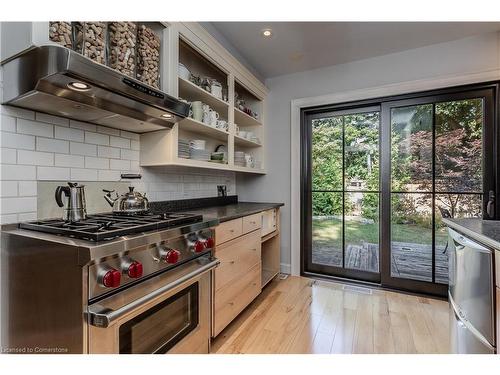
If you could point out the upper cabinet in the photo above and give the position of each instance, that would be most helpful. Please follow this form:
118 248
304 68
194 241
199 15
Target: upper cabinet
225 129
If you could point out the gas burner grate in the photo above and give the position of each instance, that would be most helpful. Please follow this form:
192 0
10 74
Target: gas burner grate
106 226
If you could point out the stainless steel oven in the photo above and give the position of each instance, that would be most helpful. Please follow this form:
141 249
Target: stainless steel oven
169 313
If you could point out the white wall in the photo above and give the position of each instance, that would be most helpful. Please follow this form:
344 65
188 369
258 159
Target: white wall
471 55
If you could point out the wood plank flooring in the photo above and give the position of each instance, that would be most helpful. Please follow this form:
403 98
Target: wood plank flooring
301 315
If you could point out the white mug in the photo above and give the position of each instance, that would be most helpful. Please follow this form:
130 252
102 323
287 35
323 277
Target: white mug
206 114
221 124
197 108
214 116
216 90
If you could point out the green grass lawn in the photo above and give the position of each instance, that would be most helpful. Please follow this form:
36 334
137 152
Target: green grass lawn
356 232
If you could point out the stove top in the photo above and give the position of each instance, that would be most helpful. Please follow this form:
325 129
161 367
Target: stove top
106 226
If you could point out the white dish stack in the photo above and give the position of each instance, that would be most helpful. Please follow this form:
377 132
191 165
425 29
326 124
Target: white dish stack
239 159
183 149
198 151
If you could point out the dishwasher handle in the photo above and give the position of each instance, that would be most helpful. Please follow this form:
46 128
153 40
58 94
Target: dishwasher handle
464 242
490 206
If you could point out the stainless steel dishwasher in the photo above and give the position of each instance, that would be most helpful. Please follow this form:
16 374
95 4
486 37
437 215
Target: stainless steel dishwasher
471 296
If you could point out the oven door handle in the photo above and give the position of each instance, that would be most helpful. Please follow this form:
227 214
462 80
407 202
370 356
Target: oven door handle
104 317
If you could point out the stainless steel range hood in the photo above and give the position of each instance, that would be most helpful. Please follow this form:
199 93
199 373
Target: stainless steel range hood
61 82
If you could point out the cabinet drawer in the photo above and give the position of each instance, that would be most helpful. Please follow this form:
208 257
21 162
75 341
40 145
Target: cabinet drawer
237 257
228 230
234 297
269 221
251 222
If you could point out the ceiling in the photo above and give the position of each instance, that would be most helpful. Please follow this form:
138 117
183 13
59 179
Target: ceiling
299 46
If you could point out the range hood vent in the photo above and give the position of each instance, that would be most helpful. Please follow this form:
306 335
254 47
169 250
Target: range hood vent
59 81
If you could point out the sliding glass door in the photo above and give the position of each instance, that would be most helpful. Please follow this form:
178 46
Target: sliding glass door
378 179
345 193
439 164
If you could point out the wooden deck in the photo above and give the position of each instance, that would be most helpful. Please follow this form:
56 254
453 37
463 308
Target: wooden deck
409 261
299 315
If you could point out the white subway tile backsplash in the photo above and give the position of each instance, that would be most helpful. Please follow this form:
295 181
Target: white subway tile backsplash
8 156
18 112
96 163
106 130
108 152
107 175
52 145
8 124
69 134
82 125
35 128
18 205
119 142
135 145
55 148
28 216
64 160
8 219
82 174
76 148
130 135
122 165
34 158
18 172
9 189
52 173
13 140
50 119
96 138
27 188
129 154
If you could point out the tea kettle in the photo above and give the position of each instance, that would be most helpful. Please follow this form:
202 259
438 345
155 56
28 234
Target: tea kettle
74 201
129 203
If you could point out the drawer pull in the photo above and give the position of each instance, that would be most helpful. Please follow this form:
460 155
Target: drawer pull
231 262
231 303
253 222
254 284
254 249
231 230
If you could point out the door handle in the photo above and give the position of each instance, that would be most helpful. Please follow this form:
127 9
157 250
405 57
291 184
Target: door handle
490 206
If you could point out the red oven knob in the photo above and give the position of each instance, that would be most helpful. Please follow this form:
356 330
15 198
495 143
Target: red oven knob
209 243
111 278
198 247
134 271
172 256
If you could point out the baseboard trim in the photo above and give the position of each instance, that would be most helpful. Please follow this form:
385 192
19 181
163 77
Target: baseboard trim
285 268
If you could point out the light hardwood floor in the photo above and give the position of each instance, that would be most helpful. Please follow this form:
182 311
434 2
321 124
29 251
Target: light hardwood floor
300 315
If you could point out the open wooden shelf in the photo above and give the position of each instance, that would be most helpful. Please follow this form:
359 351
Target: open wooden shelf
195 126
267 276
191 92
242 119
240 141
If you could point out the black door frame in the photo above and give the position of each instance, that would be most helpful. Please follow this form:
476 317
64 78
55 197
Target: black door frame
491 139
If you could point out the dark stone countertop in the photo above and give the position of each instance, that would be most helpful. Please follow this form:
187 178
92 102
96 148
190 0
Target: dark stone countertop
486 232
233 211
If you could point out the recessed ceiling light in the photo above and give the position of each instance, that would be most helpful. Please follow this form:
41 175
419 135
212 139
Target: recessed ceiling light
78 86
166 115
267 33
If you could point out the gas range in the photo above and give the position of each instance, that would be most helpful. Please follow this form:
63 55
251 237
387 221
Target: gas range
106 226
113 275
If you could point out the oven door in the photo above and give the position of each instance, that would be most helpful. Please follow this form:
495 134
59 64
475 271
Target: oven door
169 313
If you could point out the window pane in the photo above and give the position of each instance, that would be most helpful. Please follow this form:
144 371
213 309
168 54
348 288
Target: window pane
361 151
411 236
327 228
327 153
411 154
362 231
451 206
459 146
